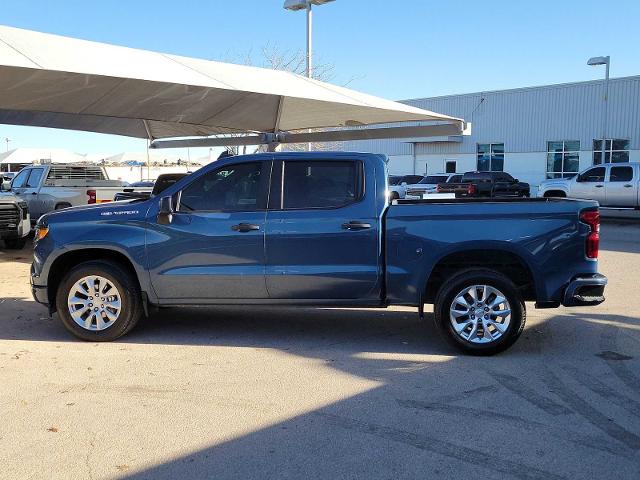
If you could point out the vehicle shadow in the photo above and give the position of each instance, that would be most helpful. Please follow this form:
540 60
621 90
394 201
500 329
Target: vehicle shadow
24 255
424 411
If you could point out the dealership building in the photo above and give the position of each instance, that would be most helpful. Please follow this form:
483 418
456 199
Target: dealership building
533 133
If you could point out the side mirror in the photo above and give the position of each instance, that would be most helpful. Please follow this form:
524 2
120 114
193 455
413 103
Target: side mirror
6 186
403 184
515 180
165 212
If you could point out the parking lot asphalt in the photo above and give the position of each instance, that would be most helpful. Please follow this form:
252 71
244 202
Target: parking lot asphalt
254 392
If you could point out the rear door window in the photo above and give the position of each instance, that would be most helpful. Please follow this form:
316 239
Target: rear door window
621 174
321 184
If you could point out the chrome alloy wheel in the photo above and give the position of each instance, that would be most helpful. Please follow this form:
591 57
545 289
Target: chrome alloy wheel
94 303
480 314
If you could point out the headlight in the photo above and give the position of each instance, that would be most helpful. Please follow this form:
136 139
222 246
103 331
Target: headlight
41 232
25 209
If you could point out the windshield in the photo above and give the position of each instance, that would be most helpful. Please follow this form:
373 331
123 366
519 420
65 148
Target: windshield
433 179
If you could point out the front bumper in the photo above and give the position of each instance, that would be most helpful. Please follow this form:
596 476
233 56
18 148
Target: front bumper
585 290
39 292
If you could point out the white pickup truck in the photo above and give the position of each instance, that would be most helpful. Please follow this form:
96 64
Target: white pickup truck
53 187
15 223
614 185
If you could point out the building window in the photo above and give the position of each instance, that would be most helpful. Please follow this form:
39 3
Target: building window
616 151
490 157
450 166
563 159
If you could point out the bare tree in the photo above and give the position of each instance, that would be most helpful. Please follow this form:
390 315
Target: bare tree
271 56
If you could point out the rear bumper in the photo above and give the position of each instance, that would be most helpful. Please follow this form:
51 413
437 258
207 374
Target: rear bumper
585 290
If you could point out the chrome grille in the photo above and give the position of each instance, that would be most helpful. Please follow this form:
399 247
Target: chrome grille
9 217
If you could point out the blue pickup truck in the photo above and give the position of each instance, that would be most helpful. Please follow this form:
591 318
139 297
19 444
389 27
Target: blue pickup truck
316 229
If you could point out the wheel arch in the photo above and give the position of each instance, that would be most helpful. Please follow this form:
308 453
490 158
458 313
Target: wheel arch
555 193
506 261
68 260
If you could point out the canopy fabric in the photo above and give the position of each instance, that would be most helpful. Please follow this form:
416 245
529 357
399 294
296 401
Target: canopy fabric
53 81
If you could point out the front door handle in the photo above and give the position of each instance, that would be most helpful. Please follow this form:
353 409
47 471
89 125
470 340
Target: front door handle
599 186
356 225
245 227
628 185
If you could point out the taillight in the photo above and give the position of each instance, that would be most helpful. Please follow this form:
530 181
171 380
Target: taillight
592 244
471 189
92 196
438 189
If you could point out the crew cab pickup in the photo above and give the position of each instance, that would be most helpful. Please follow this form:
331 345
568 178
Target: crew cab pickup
316 229
53 187
615 185
486 184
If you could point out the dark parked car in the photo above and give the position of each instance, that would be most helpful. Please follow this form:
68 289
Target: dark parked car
486 184
316 229
164 181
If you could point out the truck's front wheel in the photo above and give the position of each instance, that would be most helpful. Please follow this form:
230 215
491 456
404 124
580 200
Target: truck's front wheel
98 301
480 311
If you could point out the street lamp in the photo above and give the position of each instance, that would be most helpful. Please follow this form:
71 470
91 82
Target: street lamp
595 61
7 139
295 5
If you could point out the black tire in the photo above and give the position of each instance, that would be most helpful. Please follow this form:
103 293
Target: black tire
131 300
15 243
60 206
467 278
395 196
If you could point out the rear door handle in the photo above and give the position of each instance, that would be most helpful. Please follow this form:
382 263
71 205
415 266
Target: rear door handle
599 186
628 185
356 225
245 227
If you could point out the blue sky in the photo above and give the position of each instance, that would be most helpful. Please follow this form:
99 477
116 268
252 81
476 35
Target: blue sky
395 49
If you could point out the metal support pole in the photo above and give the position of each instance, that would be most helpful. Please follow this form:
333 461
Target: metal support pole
309 40
309 50
606 110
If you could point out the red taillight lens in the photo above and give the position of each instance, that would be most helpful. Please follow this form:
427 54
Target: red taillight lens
592 244
91 194
471 189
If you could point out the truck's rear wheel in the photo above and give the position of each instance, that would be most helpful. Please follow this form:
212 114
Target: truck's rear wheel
98 301
480 311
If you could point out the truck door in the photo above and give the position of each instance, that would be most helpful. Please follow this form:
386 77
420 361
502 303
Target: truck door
19 185
31 193
323 236
589 185
621 189
214 246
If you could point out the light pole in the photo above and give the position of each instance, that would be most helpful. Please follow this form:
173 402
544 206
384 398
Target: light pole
7 139
594 61
295 5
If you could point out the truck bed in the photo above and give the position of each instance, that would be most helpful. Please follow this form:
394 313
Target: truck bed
536 231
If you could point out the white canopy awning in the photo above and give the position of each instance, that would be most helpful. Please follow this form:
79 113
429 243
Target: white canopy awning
59 82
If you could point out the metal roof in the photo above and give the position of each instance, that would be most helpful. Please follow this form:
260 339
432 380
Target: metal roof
524 119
